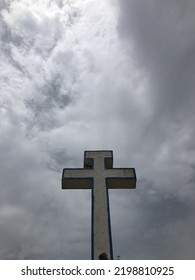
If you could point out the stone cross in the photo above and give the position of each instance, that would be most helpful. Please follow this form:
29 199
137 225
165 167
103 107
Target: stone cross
99 175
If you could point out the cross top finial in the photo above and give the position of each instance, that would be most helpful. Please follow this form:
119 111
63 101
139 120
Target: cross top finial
90 156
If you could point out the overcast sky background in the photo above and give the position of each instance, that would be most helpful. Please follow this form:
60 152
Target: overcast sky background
88 75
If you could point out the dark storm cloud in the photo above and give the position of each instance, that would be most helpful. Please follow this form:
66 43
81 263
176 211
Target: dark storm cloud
163 42
160 36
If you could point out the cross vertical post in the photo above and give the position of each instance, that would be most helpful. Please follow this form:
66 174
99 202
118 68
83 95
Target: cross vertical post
99 175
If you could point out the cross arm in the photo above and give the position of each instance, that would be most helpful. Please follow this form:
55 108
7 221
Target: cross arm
74 178
121 178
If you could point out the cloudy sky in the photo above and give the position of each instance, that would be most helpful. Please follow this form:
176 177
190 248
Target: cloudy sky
95 75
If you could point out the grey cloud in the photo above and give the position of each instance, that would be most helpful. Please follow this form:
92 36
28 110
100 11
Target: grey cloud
44 112
4 4
157 221
31 213
162 36
38 42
